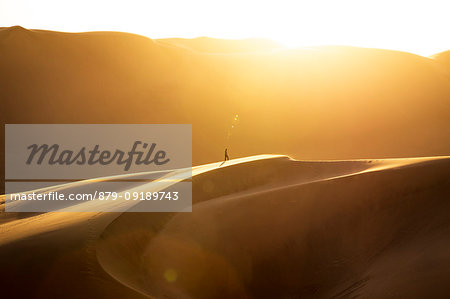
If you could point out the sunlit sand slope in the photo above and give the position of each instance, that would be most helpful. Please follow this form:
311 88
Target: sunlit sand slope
261 227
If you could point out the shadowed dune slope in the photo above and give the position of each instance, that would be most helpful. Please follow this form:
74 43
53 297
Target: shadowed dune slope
369 233
261 227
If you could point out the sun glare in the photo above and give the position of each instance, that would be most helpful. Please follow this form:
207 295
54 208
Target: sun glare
414 26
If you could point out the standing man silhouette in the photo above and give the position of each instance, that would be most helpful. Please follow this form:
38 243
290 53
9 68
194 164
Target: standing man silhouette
226 157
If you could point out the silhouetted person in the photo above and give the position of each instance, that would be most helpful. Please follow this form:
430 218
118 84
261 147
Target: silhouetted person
226 157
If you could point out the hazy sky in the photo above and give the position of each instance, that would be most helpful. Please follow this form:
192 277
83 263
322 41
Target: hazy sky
421 27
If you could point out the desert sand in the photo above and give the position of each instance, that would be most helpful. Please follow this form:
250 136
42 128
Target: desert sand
317 218
390 103
261 227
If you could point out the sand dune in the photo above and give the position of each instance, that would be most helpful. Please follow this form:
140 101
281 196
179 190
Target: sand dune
390 103
265 226
443 58
261 227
